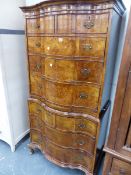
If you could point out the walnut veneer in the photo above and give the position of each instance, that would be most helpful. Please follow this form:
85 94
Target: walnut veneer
68 49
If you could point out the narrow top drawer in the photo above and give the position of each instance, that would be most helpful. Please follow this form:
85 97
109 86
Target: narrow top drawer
92 23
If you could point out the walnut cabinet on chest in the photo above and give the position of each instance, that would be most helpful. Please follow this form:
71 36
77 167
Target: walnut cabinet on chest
71 49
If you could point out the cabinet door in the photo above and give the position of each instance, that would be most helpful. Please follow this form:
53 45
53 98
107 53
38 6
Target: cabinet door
123 141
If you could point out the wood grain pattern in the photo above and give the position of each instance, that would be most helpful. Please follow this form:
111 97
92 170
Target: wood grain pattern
117 147
119 167
62 122
92 23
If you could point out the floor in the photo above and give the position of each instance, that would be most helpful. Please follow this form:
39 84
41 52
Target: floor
22 163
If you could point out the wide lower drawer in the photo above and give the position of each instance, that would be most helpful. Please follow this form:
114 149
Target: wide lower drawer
67 70
120 168
66 95
70 156
73 70
62 122
68 46
83 95
71 140
74 157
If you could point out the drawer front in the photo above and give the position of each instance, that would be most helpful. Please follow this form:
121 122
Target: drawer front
69 70
92 23
61 122
69 156
92 47
86 96
76 125
63 46
86 126
76 95
66 139
33 25
120 168
89 71
34 45
36 65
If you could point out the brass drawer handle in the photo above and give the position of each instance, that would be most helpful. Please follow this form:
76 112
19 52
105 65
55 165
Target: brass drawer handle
87 47
83 95
82 125
88 24
38 66
85 71
38 44
81 142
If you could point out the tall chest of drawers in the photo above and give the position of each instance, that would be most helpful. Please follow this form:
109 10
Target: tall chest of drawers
71 48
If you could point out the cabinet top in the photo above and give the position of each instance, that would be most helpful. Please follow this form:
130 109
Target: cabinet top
105 4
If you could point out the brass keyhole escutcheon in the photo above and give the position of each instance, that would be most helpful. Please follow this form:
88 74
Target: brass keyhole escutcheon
81 142
82 126
85 71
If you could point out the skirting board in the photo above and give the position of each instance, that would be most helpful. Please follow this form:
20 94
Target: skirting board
21 137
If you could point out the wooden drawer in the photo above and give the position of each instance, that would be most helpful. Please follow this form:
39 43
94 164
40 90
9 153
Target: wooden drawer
86 96
68 46
75 95
73 70
92 47
120 168
70 140
64 46
76 125
92 23
69 156
33 25
62 122
34 45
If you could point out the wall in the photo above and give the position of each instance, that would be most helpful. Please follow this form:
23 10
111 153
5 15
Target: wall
32 2
13 71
